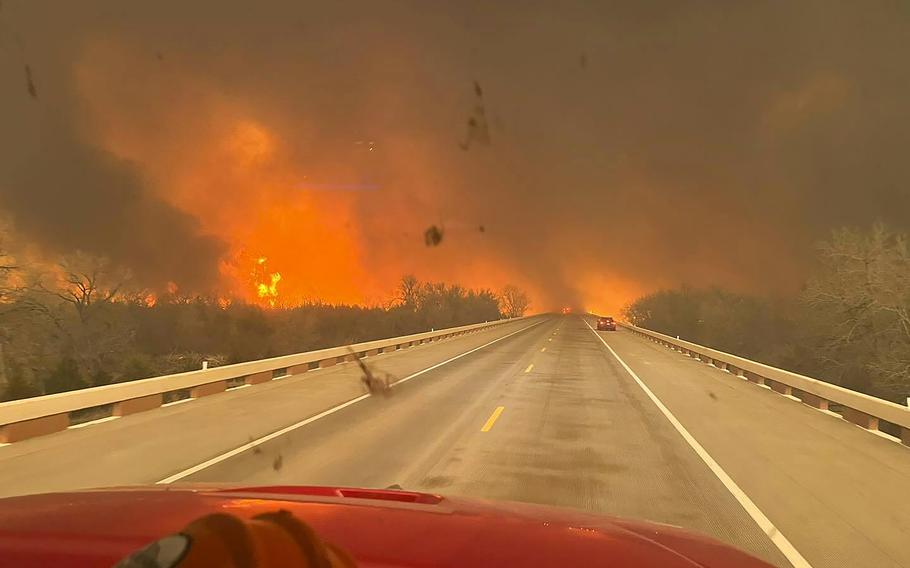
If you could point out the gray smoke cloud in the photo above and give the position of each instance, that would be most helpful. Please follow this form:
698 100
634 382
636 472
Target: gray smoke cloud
69 195
66 193
658 142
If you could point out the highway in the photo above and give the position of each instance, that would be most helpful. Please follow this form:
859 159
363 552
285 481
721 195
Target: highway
543 410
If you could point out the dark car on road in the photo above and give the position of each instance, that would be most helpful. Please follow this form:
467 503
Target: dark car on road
606 324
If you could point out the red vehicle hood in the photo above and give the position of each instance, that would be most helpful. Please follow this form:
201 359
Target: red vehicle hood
380 528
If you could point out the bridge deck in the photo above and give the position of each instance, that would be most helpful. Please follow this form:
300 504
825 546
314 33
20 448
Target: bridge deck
544 414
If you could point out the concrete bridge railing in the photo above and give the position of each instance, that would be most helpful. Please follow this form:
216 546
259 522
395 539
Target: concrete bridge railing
27 418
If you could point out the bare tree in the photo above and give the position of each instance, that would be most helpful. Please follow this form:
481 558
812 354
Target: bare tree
87 282
8 267
862 297
7 290
513 302
409 291
4 297
84 296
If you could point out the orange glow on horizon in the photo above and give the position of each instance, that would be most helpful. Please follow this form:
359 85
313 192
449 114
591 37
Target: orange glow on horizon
607 295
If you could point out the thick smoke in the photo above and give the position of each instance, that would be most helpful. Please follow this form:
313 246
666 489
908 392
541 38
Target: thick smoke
66 193
71 195
625 146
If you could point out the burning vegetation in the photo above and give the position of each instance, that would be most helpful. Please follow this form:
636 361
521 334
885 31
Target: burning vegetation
265 282
84 321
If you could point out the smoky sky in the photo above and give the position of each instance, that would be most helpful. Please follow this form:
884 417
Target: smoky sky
64 192
660 143
73 196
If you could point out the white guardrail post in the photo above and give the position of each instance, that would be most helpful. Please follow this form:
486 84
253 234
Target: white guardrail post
861 409
37 416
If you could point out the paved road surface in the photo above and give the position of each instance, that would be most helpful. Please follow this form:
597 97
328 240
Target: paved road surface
151 446
538 411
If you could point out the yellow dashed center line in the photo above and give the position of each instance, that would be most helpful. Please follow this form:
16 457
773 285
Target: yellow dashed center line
528 370
542 349
492 419
549 339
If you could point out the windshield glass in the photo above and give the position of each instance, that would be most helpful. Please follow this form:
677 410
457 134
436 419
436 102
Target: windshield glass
362 244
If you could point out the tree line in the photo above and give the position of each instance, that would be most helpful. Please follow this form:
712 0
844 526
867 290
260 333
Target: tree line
82 322
849 325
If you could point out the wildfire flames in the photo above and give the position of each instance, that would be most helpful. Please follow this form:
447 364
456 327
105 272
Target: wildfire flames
307 213
266 283
269 292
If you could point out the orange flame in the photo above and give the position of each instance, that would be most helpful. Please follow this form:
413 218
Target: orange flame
235 165
265 283
269 292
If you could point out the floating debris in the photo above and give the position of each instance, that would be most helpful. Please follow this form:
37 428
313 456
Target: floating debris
30 82
478 129
433 236
373 383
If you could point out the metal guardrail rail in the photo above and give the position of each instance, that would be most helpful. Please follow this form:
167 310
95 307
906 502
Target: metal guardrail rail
858 408
37 416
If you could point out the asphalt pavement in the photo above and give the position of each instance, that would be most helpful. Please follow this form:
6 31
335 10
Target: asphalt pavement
543 417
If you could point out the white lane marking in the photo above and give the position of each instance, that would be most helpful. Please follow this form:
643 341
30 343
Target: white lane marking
447 361
249 445
765 524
